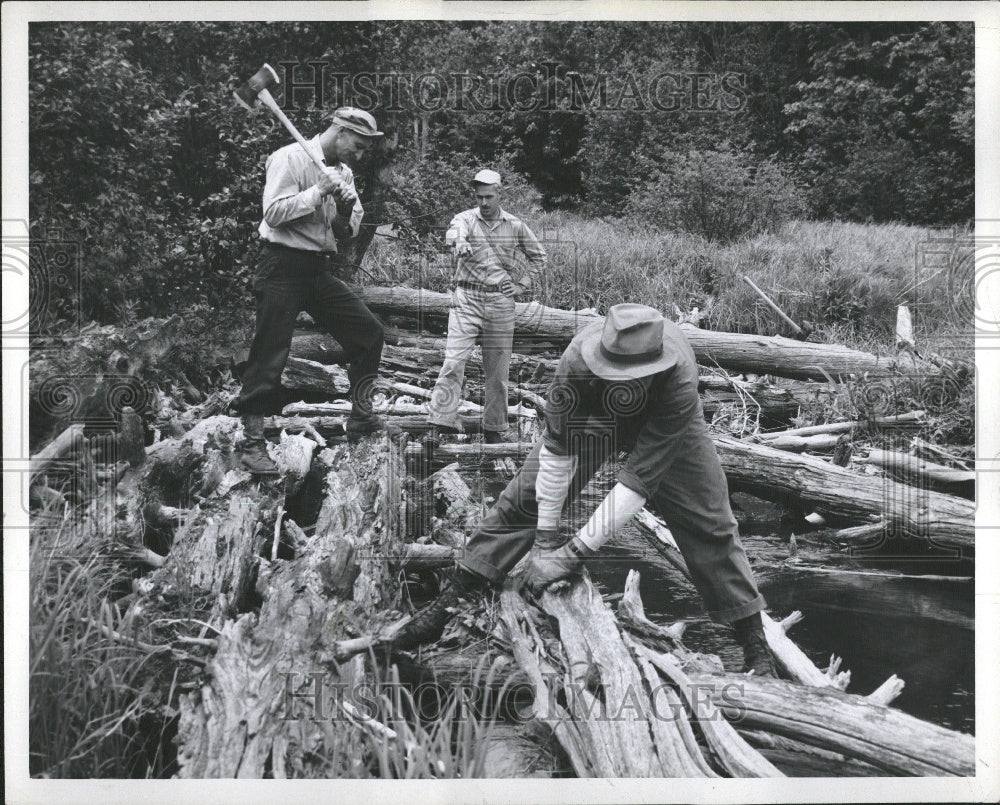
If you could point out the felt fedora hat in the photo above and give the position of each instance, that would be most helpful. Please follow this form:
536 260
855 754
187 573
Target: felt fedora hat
629 343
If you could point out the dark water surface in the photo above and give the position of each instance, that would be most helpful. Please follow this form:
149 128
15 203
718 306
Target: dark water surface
920 630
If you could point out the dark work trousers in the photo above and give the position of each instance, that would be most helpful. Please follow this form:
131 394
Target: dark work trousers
289 280
692 498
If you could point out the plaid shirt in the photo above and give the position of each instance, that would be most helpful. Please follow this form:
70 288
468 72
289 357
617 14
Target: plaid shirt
492 264
295 214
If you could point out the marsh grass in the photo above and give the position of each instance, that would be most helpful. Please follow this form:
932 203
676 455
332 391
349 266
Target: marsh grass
846 278
96 698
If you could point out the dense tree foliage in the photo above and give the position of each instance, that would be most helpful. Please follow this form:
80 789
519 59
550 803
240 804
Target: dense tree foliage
140 156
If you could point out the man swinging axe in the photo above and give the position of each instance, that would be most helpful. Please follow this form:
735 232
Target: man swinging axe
628 383
310 203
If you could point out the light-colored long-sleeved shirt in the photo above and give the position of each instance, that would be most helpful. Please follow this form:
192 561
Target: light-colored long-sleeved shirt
295 213
492 264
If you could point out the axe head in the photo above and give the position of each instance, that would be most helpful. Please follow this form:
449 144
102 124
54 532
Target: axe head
263 79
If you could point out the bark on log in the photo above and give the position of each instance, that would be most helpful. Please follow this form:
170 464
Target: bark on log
772 355
237 724
312 376
841 722
917 469
941 519
911 419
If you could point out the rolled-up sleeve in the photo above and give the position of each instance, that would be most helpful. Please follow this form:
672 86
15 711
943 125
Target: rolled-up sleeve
675 415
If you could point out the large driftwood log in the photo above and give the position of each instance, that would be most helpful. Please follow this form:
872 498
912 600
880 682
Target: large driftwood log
734 351
238 723
851 725
945 520
619 717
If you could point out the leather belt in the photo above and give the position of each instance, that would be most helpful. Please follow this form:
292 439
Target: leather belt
270 244
479 286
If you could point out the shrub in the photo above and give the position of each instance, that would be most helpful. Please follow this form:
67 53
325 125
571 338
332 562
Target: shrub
722 195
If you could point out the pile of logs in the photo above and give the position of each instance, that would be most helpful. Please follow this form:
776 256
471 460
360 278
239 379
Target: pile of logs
299 586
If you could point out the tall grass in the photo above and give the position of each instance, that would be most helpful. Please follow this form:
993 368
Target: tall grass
94 694
845 278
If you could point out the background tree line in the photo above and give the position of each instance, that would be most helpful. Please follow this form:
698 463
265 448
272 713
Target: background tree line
139 154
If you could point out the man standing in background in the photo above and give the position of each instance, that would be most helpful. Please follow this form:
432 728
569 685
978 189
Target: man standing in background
306 211
487 239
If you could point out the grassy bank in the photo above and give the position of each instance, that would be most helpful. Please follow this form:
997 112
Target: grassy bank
846 278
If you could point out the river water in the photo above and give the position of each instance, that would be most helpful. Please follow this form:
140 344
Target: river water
921 629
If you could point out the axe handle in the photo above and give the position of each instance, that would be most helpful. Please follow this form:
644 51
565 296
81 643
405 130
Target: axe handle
774 307
271 104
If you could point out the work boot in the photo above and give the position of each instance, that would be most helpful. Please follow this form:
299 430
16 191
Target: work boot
364 423
494 437
255 457
756 653
431 440
428 622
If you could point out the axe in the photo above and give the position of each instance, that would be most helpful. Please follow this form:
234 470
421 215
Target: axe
259 86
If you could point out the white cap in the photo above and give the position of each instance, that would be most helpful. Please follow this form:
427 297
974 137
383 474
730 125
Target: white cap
486 176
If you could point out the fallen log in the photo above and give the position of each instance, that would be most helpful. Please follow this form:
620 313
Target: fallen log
735 755
597 737
418 363
917 470
940 519
69 441
802 444
772 355
895 742
338 585
913 418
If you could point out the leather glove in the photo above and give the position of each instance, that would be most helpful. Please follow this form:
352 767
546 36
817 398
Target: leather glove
548 566
546 539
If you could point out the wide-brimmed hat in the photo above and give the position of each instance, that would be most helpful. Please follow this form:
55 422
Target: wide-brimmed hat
629 343
356 120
